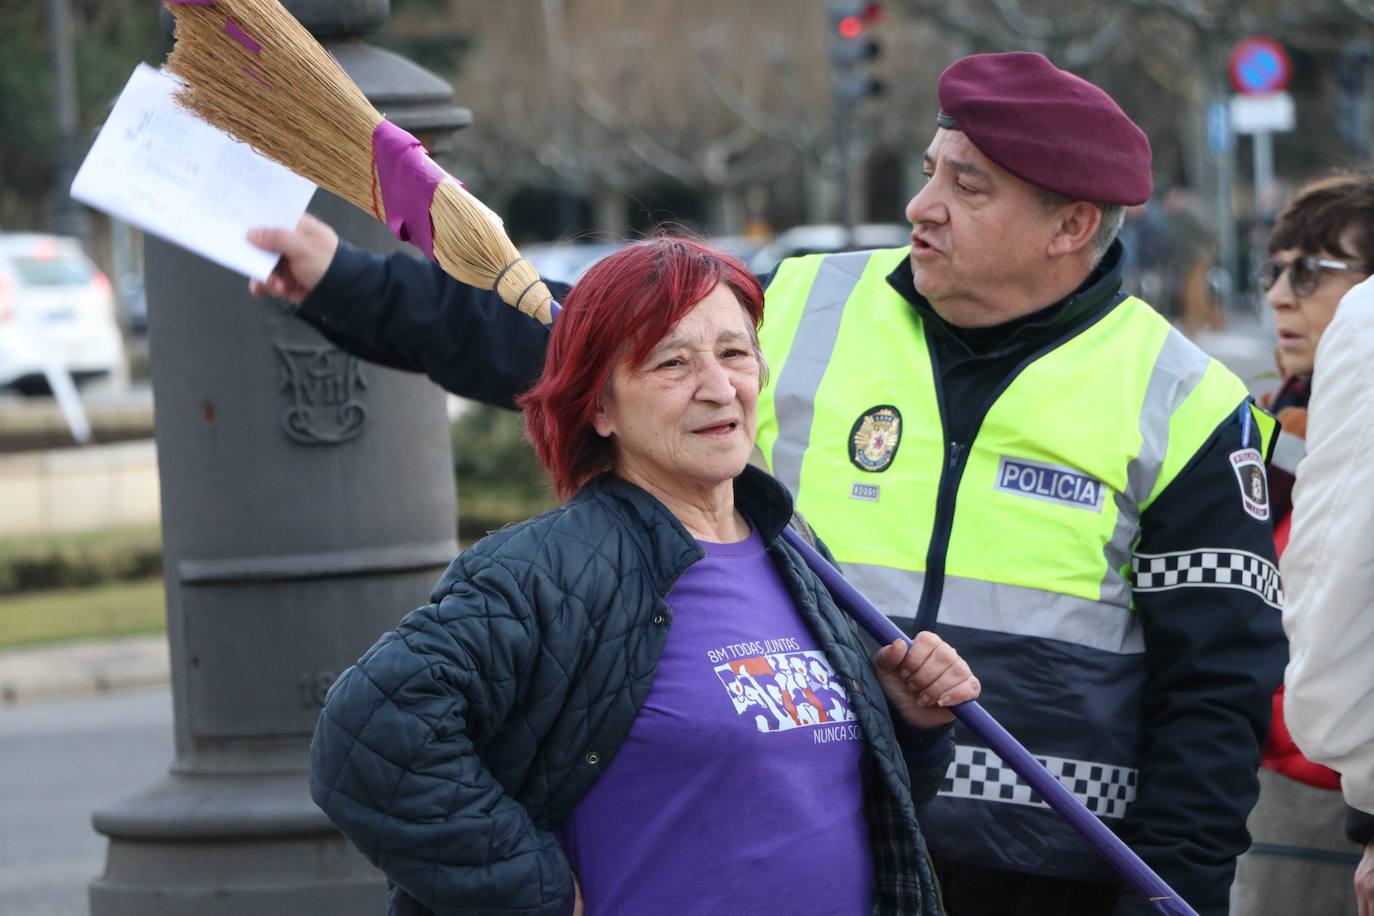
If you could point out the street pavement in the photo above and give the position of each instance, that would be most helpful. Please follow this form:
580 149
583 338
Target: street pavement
84 667
65 757
1246 347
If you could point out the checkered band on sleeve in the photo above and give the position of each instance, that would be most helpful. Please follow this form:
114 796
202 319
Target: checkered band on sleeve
1160 572
978 773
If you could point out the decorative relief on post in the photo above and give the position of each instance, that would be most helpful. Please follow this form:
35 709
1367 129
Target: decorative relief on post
322 383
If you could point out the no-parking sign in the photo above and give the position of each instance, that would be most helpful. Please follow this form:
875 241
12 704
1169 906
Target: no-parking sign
1260 66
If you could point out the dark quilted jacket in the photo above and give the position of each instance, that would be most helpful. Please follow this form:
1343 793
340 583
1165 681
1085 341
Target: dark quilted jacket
455 744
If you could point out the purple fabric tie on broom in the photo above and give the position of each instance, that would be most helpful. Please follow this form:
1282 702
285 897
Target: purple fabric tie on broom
1139 875
408 178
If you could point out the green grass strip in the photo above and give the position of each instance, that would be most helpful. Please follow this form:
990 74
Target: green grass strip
98 612
77 541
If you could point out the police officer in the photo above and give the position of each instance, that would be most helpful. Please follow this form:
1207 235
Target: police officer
997 442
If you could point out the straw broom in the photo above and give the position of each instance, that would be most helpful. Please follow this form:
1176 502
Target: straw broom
251 70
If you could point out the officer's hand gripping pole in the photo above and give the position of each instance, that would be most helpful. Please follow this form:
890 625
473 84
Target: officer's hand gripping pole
1140 876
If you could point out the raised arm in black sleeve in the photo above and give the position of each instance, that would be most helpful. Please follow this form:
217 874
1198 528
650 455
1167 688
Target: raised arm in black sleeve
401 312
1215 652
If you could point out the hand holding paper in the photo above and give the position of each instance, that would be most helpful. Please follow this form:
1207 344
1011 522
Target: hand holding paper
306 253
162 169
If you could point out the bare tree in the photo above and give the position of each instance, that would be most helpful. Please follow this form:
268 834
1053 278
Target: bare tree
603 96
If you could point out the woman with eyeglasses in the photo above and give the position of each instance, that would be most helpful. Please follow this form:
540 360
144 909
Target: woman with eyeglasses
1320 252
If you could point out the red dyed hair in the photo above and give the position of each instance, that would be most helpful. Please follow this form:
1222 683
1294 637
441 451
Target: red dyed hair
620 309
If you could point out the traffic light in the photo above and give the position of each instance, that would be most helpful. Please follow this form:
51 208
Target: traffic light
851 47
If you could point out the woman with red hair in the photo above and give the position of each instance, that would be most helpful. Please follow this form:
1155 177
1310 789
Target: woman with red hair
643 701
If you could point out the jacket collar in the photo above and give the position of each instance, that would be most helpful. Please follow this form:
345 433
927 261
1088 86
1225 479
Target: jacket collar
670 547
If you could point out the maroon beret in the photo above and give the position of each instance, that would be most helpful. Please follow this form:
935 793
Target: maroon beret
1055 130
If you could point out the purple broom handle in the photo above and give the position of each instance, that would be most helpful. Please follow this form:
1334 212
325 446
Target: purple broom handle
976 719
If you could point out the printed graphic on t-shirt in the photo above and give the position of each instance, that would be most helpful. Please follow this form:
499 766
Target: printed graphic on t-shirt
787 690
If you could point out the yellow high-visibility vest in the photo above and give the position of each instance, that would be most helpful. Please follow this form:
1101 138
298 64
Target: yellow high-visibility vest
1049 493
1022 538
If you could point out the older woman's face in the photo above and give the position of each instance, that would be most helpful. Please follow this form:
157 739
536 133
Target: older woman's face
1301 320
686 415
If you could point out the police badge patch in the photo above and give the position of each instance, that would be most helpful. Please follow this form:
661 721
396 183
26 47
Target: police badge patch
874 438
1254 485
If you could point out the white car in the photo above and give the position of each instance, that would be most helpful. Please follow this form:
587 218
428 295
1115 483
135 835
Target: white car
57 312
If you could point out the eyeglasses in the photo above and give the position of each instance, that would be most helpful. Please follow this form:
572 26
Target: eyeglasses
1305 272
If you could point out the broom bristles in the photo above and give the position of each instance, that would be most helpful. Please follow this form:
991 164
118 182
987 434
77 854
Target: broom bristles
293 103
484 252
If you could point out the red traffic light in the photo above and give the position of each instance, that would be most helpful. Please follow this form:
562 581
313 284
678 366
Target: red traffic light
849 18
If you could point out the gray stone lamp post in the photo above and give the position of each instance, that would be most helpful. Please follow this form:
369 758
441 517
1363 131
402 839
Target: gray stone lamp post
307 503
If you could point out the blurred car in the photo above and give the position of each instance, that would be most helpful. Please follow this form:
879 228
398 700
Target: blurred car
826 237
569 260
56 309
741 246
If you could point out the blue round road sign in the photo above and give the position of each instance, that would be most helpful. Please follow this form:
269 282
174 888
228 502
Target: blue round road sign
1259 66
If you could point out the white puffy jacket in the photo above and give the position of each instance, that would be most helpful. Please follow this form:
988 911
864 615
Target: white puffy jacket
1328 568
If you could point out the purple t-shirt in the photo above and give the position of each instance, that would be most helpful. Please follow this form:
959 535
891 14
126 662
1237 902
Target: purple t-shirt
738 788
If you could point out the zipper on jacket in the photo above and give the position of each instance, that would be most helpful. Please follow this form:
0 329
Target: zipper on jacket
956 457
956 454
934 583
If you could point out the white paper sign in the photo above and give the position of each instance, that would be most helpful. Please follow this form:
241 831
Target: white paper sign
1255 114
162 169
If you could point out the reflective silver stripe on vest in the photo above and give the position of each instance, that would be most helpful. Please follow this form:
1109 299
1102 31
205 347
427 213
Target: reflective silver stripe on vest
1288 451
800 378
1178 370
1001 608
1106 789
